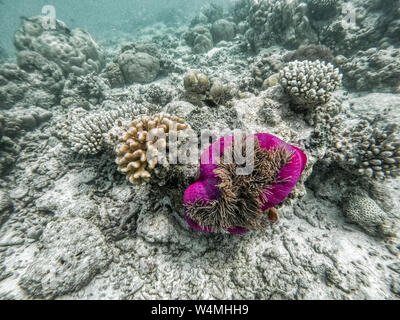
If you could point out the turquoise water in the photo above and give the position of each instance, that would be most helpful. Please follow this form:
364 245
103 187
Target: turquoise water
100 16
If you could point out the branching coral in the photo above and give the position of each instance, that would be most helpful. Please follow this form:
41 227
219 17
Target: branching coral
140 143
380 155
88 135
310 82
224 199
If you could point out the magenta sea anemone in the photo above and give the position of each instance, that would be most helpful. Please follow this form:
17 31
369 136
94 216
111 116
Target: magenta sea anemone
222 200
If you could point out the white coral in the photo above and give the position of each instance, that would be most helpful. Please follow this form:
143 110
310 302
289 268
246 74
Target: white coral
310 82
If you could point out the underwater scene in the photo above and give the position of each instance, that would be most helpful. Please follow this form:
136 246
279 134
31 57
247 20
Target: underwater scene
200 150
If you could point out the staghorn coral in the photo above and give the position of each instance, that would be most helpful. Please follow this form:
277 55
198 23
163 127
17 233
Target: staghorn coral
140 142
373 69
310 82
88 135
222 199
73 51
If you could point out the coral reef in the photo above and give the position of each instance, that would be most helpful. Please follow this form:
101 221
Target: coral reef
143 144
209 13
73 228
374 69
113 73
310 83
36 82
87 89
73 51
375 25
285 24
19 119
230 197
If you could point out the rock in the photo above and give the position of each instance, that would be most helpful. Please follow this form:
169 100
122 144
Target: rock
138 67
222 30
73 252
5 206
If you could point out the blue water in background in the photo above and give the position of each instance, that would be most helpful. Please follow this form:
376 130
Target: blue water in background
100 17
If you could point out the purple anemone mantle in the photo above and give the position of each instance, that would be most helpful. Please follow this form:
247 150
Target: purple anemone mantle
206 188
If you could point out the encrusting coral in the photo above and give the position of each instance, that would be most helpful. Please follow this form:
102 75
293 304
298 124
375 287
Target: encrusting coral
310 82
363 211
140 143
321 9
222 199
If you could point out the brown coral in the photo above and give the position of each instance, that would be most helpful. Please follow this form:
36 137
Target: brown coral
140 142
